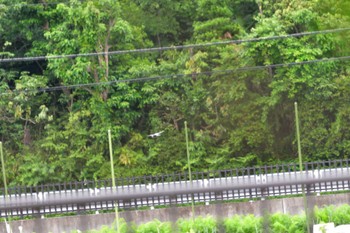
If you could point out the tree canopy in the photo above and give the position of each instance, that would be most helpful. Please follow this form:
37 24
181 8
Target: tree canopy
84 74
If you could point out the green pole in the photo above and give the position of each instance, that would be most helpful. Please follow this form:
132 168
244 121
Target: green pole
3 169
301 165
113 177
4 177
298 136
189 167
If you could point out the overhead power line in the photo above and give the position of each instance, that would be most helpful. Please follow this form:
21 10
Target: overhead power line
170 76
35 4
158 49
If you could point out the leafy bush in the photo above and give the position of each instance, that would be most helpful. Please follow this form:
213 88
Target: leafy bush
283 223
155 226
199 225
112 229
339 215
240 224
276 223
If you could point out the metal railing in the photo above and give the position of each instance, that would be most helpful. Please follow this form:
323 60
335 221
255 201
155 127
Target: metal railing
175 189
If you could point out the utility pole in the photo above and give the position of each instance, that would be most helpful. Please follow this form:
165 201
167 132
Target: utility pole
113 179
301 165
8 226
189 170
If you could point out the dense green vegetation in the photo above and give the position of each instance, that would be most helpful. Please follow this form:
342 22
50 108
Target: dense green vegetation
275 223
53 124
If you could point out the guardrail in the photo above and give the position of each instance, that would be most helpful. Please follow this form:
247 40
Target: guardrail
174 189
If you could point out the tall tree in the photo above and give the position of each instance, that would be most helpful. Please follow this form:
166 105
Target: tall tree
111 103
307 84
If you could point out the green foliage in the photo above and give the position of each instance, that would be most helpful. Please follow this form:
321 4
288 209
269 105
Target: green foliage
338 215
289 224
112 229
154 227
274 223
200 225
236 117
246 224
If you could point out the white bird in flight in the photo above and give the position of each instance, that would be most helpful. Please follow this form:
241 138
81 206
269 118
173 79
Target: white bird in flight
155 134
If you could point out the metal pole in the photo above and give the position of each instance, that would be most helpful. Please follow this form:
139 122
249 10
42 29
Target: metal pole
113 177
189 167
5 183
301 165
3 169
298 136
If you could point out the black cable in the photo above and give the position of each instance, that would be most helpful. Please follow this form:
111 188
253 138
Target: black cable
35 4
242 69
158 49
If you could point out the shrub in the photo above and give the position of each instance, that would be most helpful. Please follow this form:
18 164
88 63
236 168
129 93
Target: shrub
283 223
277 223
339 215
246 224
155 226
199 225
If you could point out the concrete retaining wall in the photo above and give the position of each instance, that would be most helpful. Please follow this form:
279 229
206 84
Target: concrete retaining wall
87 222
